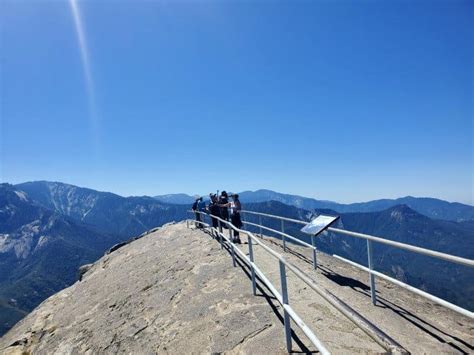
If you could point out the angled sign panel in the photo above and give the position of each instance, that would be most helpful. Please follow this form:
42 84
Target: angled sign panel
319 224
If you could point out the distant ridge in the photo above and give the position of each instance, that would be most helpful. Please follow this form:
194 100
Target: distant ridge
108 212
179 199
430 207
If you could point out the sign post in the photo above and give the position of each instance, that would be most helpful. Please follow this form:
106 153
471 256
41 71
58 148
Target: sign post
316 227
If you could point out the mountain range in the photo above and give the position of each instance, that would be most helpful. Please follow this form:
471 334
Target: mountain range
40 252
49 229
108 212
430 207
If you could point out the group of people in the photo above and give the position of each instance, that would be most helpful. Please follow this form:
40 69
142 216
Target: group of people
219 206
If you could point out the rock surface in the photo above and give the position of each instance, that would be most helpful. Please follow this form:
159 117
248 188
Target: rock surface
172 290
175 290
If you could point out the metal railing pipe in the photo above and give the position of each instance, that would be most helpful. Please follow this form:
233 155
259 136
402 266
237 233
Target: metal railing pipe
302 325
419 250
370 262
232 247
306 330
283 234
429 296
313 243
311 336
315 262
284 295
220 233
371 330
358 320
273 216
251 257
361 322
296 240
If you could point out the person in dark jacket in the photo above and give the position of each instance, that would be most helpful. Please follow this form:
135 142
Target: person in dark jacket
197 207
214 209
223 201
235 208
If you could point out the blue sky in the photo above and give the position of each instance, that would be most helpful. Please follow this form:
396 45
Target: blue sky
339 100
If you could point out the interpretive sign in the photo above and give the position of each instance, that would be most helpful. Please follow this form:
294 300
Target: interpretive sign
319 224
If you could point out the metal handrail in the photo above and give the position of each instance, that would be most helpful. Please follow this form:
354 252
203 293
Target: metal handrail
273 216
376 334
281 297
419 250
408 287
373 273
284 235
413 248
296 240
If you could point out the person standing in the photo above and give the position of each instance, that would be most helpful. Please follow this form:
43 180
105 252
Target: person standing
197 206
214 210
223 201
235 208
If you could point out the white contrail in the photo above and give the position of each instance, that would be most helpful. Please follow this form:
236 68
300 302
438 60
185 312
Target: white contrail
93 115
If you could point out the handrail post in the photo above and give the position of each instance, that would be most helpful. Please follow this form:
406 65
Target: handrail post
283 231
233 254
315 262
254 281
232 245
371 276
313 243
284 295
260 223
220 232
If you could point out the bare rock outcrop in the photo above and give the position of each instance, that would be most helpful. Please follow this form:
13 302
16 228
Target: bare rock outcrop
175 290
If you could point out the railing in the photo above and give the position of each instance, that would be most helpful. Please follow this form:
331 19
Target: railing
372 273
372 331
